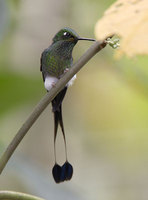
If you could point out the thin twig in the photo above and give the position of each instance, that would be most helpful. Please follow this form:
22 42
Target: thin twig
96 47
17 195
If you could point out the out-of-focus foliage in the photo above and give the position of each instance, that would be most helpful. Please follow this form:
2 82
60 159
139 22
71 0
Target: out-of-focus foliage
12 84
128 19
16 89
14 3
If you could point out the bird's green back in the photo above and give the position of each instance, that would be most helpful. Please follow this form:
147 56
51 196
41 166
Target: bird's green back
57 58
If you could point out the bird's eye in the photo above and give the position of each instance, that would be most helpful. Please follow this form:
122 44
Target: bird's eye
66 34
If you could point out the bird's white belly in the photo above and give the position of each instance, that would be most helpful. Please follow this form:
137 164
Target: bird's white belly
50 82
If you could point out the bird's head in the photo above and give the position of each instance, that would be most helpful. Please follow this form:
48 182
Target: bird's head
69 35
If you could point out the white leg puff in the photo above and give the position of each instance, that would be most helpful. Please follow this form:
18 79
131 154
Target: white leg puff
50 82
71 81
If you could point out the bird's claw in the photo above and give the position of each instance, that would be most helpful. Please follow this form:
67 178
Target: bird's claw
66 70
53 84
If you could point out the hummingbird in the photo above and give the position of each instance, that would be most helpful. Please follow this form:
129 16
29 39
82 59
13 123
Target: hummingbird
56 60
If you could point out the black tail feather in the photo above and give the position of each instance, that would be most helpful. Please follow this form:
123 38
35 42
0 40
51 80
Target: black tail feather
62 128
57 110
64 172
57 101
56 121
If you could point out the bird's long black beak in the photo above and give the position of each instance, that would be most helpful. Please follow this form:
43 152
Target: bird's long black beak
89 39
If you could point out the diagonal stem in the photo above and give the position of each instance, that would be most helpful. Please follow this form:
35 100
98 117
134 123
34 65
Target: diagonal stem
17 195
96 47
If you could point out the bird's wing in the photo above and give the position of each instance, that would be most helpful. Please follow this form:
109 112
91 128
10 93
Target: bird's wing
42 60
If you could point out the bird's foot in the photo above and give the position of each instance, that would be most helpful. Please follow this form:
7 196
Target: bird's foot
66 70
53 84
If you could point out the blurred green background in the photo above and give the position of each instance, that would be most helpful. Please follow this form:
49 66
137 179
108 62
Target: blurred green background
105 111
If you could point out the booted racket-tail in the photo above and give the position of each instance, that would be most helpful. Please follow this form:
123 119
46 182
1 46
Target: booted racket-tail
56 60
